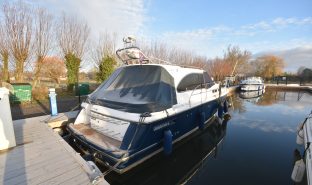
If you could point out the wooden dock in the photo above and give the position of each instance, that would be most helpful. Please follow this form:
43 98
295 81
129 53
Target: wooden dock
42 157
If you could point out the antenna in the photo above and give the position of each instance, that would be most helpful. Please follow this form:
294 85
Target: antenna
129 40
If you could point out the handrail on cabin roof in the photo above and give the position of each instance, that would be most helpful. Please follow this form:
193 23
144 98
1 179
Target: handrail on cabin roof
149 60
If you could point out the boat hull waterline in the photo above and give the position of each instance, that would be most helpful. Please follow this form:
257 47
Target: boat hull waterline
181 125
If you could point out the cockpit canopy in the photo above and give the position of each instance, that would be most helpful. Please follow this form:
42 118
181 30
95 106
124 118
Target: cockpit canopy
137 89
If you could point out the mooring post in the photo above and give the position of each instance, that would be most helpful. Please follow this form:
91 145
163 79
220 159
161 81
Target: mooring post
53 105
277 81
7 135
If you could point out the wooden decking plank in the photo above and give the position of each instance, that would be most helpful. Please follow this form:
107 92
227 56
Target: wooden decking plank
78 175
33 146
80 179
42 157
55 175
41 161
23 130
33 135
43 173
86 182
25 154
25 172
41 142
17 170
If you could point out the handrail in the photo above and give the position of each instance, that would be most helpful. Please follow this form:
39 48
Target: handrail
196 87
149 59
125 61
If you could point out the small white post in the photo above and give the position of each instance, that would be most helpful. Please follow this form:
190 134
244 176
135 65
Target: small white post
7 136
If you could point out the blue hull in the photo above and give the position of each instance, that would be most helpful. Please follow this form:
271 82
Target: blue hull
148 139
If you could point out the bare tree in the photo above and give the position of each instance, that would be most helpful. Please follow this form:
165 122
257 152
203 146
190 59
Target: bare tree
4 54
106 47
18 27
218 68
161 50
72 38
104 56
237 59
43 39
54 68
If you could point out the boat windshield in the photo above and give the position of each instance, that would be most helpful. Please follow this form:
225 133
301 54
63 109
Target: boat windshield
137 89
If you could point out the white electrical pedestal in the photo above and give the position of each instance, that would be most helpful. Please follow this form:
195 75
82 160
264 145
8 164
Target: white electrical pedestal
7 136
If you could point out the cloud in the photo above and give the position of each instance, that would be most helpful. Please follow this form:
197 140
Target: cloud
294 58
120 16
244 30
291 21
262 25
261 36
276 24
263 125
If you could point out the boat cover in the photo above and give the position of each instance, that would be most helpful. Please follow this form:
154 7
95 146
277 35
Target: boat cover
137 89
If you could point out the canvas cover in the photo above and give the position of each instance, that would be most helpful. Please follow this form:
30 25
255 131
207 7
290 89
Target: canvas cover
137 89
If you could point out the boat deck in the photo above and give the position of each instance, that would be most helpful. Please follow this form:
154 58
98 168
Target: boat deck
97 138
41 157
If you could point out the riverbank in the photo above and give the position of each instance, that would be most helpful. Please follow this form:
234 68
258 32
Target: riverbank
289 87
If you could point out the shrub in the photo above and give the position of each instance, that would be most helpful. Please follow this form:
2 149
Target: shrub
72 65
106 68
40 93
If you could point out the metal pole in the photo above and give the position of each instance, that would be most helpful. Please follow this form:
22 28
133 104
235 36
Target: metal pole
78 88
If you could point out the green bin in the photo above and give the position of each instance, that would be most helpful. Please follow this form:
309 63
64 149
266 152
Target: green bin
84 89
21 92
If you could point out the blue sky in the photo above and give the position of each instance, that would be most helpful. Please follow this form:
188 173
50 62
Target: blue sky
254 25
185 14
280 27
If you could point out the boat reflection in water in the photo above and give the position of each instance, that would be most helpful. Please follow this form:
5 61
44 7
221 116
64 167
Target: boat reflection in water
251 96
187 158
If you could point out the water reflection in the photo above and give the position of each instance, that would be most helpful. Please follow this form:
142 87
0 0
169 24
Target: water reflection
264 125
251 96
187 158
295 99
260 140
271 111
275 96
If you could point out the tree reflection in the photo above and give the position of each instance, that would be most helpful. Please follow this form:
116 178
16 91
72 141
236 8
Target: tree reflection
237 103
273 96
269 97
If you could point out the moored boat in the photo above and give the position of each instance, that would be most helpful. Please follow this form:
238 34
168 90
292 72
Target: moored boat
303 164
252 84
143 108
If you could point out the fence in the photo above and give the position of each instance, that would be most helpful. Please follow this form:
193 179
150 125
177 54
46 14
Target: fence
286 80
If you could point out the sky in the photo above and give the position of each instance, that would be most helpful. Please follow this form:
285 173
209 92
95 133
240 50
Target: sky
280 27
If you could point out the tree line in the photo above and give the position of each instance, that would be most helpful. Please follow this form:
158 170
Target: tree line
234 62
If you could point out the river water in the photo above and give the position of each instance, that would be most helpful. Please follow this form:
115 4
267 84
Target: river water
254 147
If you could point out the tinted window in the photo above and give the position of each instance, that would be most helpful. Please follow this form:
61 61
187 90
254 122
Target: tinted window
208 80
190 82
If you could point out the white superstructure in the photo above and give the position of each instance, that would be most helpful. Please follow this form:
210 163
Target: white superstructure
252 84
